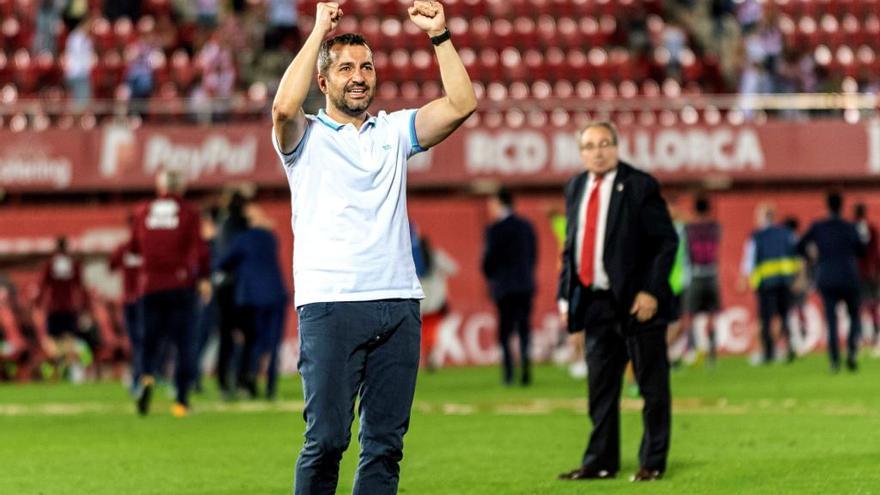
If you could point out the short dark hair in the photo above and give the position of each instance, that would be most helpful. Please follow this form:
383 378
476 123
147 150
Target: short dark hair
61 243
324 54
505 197
701 204
792 224
834 201
861 211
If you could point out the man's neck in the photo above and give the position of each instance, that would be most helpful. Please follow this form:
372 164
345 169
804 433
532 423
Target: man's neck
344 118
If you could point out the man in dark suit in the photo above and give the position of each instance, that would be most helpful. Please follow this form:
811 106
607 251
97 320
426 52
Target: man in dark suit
838 247
509 264
620 246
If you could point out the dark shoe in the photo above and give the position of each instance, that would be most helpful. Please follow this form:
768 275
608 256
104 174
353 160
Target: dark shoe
835 368
644 474
852 365
146 394
583 473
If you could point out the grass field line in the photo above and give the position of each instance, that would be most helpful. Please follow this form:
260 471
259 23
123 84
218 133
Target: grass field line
532 407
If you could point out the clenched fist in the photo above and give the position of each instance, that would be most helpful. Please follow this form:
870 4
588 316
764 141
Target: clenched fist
327 17
428 16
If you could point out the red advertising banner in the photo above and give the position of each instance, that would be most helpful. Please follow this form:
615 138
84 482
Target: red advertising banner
468 333
121 158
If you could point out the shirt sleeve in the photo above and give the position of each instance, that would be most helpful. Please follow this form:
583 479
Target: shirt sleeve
747 265
290 159
404 122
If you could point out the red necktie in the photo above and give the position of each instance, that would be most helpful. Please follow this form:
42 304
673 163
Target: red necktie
588 246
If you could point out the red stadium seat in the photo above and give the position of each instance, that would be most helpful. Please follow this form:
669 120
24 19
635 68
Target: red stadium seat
554 63
563 89
496 91
541 90
512 62
499 9
533 60
388 90
502 33
546 33
490 65
458 27
432 90
480 32
577 67
523 32
374 30
518 90
569 33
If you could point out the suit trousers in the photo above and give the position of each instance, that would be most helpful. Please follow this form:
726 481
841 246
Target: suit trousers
611 341
774 301
850 297
514 315
371 349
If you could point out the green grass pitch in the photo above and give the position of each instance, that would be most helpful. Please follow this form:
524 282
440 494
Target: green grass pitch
736 429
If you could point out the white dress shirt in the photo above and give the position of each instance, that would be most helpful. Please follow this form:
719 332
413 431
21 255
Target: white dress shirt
600 276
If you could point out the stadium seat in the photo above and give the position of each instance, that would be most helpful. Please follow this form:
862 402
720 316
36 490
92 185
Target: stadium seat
563 89
502 33
512 62
518 90
541 90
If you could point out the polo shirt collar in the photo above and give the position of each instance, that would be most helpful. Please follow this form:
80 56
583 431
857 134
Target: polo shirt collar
329 122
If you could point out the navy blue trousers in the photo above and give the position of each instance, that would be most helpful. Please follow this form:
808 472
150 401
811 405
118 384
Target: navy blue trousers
349 349
135 328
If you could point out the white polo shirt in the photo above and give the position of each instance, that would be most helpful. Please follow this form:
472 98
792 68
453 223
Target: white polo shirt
348 196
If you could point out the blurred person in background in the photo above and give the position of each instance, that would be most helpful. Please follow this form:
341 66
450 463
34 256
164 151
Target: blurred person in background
838 248
619 250
207 313
230 326
282 19
802 283
679 278
79 58
439 266
64 298
769 266
510 254
261 297
48 17
168 238
127 261
356 287
869 267
703 241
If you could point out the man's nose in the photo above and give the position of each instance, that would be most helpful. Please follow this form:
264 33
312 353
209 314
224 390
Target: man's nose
358 76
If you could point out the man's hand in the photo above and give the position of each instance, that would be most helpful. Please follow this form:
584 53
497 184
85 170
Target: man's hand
205 291
644 307
327 17
428 16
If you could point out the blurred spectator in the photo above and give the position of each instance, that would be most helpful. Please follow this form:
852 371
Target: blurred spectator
114 9
802 283
48 19
166 234
206 318
217 66
63 297
129 263
439 266
509 259
703 296
79 57
770 264
230 325
837 247
261 297
869 267
139 72
207 12
75 12
282 20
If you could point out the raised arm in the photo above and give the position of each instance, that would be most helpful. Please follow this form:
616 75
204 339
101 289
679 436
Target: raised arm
439 118
288 118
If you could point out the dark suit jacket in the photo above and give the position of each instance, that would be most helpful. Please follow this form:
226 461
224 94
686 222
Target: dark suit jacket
254 256
839 247
640 245
509 258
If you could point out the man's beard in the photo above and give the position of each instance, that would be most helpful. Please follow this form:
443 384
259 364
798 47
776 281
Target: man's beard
354 108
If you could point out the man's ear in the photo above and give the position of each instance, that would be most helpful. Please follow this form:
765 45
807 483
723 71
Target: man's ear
322 83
